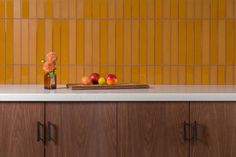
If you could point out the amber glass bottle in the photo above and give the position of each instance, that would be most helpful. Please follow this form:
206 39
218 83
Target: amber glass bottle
50 80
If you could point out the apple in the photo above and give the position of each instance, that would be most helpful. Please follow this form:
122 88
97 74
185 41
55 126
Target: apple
94 78
85 80
102 81
111 79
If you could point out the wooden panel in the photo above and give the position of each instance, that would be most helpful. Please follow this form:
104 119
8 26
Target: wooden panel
216 130
151 129
83 129
18 129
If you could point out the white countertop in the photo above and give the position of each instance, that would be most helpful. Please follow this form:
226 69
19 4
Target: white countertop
155 93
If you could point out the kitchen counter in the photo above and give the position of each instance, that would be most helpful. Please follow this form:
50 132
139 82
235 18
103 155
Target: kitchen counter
155 93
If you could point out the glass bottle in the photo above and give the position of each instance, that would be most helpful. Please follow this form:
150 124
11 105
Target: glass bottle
50 80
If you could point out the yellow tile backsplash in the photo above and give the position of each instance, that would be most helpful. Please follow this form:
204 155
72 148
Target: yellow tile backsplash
142 41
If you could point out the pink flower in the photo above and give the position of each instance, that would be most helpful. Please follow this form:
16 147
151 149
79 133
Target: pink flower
51 57
48 66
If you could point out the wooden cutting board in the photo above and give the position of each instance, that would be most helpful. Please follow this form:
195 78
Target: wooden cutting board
102 87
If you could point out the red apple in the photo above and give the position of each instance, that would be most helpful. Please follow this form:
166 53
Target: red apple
111 79
85 80
94 78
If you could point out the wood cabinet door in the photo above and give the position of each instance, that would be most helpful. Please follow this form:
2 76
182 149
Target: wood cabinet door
152 129
18 129
82 129
216 129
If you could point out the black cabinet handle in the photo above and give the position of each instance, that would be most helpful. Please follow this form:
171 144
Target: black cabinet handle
194 128
39 138
51 131
185 127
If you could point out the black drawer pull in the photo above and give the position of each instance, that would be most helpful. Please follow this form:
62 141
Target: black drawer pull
39 138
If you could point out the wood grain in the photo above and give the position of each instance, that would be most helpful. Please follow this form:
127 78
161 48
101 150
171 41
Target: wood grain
18 129
84 129
148 129
216 130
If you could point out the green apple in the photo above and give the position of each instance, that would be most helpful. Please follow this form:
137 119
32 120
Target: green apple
101 81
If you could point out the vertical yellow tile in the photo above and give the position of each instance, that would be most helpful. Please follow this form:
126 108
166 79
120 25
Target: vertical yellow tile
25 42
166 8
88 42
158 75
221 43
143 74
64 42
95 8
143 7
206 8
182 8
135 43
234 53
72 43
213 75
80 42
150 44
230 8
72 8
158 10
151 8
198 8
58 73
9 8
159 41
111 44
166 42
165 75
229 41
174 43
2 43
222 8
33 73
88 8
2 8
48 35
24 74
32 42
205 75
182 42
213 42
182 75
64 74
119 74
111 8
151 75
135 74
96 43
189 75
103 8
64 8
40 41
32 8
214 8
198 43
174 75
135 8
9 39
191 7
41 9
2 76
205 42
79 73
127 50
229 75
234 75
48 8
17 9
119 9
16 74
104 41
56 43
9 74
143 42
80 8
56 8
221 75
174 8
190 42
197 75
127 8
39 75
17 42
72 74
119 42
